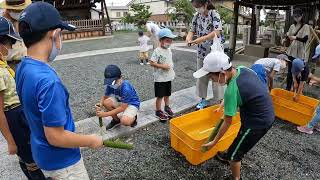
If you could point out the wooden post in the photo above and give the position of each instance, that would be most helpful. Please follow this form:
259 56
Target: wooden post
253 31
288 20
102 19
108 18
234 29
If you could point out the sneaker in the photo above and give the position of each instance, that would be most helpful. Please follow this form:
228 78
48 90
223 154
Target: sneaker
112 124
317 128
305 129
202 104
148 63
134 122
141 64
163 118
169 112
222 156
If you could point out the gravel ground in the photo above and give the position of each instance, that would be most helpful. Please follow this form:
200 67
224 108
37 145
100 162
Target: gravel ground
119 39
282 154
84 77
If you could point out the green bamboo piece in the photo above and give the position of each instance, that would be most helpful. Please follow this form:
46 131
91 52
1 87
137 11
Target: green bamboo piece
213 134
117 144
100 122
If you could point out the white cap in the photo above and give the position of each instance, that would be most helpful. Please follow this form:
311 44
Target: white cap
213 62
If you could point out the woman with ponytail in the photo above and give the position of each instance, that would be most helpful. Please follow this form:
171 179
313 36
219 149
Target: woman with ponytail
206 25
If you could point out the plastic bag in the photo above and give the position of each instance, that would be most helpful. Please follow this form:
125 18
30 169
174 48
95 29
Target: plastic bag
217 46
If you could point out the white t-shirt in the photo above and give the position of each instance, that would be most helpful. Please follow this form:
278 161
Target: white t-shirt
153 28
163 56
143 41
270 64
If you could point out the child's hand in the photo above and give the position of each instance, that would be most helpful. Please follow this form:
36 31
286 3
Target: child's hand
166 67
101 113
209 145
96 142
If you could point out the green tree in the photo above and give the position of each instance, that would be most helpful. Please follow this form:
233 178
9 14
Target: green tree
140 12
225 14
181 6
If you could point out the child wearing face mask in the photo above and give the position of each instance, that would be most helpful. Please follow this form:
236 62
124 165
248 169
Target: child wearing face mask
13 10
245 92
164 74
206 25
120 97
13 124
45 99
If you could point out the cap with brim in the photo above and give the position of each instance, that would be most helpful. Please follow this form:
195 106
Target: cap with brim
316 53
6 28
316 56
297 66
200 73
166 33
213 62
15 4
41 17
109 81
283 57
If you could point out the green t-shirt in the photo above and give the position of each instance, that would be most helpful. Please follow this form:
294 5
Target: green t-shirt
232 99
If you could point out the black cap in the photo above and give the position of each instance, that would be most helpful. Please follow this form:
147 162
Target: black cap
111 73
42 16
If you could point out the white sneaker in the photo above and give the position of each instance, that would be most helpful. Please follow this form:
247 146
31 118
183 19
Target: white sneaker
141 64
148 63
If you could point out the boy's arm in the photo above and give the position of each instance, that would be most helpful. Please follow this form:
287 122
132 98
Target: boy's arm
161 66
59 137
4 128
103 98
225 126
117 110
271 76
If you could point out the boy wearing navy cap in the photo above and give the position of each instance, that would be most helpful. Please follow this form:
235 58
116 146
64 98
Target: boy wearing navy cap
45 100
13 124
120 97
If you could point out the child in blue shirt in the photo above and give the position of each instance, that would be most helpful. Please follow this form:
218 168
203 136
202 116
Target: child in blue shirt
120 97
44 98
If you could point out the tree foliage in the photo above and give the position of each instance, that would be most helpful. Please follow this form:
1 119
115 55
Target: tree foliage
140 12
181 6
225 14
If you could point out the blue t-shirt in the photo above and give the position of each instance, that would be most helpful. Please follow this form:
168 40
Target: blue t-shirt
45 101
125 94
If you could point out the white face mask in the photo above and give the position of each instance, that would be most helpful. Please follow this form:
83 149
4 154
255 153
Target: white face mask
200 10
10 54
297 19
55 51
283 64
167 45
14 15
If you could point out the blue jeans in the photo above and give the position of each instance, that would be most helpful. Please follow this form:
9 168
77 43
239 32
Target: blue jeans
315 119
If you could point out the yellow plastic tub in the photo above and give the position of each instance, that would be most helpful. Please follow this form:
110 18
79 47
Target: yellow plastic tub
190 131
300 112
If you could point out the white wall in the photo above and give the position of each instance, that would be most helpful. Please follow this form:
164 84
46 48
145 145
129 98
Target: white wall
112 14
156 6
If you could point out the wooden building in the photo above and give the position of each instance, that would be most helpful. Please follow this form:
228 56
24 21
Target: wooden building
310 7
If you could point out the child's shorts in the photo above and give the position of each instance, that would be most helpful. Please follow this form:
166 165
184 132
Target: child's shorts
76 171
143 55
162 89
131 110
245 140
